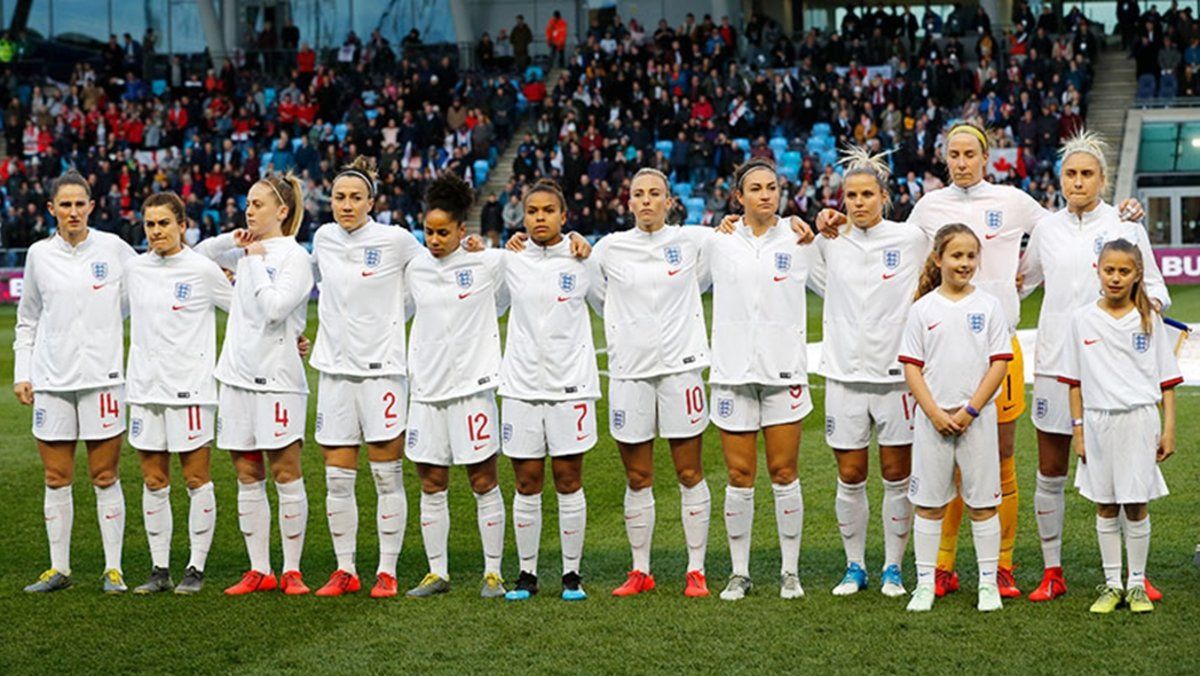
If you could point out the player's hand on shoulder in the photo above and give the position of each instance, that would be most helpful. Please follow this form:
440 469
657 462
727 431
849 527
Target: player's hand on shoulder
242 238
804 231
1131 210
24 392
580 247
728 225
474 243
517 242
829 221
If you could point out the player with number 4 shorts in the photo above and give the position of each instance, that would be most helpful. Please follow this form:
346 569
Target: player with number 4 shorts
1061 256
263 396
759 375
549 385
173 296
454 369
67 366
870 272
646 283
362 394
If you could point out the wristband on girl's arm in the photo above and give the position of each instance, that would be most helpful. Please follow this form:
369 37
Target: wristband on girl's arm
972 411
1076 422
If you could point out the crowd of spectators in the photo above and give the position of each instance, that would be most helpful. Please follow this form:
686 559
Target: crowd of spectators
1166 48
886 78
716 92
209 134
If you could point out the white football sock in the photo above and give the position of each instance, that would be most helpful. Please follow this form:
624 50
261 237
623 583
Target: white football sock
1108 532
202 519
254 518
489 511
527 525
293 521
341 507
897 521
696 511
789 522
639 525
110 509
927 534
986 535
853 510
156 514
1137 548
435 531
58 507
739 521
391 512
1049 503
572 521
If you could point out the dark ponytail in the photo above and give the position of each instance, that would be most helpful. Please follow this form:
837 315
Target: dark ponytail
931 276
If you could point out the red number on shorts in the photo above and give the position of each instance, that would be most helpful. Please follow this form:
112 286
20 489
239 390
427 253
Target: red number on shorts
695 400
477 427
109 406
390 398
909 411
281 414
194 424
796 391
582 408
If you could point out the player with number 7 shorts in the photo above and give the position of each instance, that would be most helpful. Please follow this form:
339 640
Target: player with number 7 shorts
173 294
263 397
67 366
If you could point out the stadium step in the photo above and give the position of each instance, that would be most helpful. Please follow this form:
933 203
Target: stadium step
1110 99
502 172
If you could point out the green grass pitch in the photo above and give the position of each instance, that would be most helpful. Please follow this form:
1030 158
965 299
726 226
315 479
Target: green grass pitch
81 630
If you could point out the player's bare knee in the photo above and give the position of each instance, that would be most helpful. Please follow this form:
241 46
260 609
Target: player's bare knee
782 476
59 477
570 483
483 483
156 481
104 477
932 513
689 476
982 514
852 474
1136 512
740 477
638 479
526 485
196 478
1108 511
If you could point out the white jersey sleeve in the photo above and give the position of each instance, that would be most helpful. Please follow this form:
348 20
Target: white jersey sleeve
912 345
29 312
597 281
1030 271
291 285
221 250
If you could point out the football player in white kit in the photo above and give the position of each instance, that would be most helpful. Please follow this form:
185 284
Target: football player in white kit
1120 366
870 273
646 282
955 350
454 369
549 386
1000 216
360 353
264 392
1061 255
759 375
68 367
173 293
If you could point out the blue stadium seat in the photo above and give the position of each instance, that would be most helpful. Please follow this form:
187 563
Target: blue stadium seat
268 96
341 131
371 113
265 159
534 73
419 233
791 158
295 144
789 171
159 87
695 209
822 129
664 147
742 143
481 169
682 190
830 157
778 145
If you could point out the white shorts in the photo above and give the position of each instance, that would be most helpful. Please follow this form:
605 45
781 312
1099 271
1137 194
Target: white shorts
749 408
852 408
259 421
670 406
1121 448
1051 405
352 410
976 454
177 429
461 431
535 429
87 415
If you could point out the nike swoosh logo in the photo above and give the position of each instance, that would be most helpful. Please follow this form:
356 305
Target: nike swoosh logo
934 325
153 512
895 520
730 513
97 287
1091 342
786 512
426 524
995 495
463 295
280 434
193 437
289 517
176 307
694 513
890 275
1041 513
489 524
524 525
991 235
367 273
580 437
385 517
480 447
110 517
1008 407
779 279
107 425
294 537
570 532
389 425
672 273
563 299
209 510
696 420
796 406
243 513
